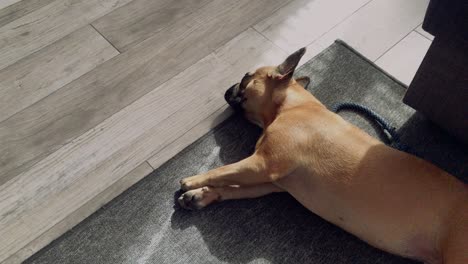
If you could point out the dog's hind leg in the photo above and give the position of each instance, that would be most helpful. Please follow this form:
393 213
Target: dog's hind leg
250 171
201 197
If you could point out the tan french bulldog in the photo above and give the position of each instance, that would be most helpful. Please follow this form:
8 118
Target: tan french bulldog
392 200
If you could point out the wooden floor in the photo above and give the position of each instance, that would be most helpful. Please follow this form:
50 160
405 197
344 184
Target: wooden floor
95 94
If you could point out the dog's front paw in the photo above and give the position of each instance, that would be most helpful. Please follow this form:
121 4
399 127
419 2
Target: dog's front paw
184 185
190 183
198 198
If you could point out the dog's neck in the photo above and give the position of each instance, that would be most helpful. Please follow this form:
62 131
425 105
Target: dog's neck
285 98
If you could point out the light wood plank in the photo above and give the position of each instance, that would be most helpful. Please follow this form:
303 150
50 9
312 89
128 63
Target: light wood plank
423 32
48 24
19 9
403 60
6 3
81 213
190 136
302 21
140 19
82 169
39 130
375 28
41 73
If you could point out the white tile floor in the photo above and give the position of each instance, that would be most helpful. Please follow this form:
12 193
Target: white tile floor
403 59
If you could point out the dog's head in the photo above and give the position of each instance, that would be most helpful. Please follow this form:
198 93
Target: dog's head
261 92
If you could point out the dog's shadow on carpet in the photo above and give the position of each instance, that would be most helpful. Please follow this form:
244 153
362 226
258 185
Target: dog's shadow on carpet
275 227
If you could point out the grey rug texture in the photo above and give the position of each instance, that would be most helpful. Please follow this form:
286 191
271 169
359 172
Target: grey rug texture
143 225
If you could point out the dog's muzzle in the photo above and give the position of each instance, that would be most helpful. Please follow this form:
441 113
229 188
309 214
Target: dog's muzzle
233 98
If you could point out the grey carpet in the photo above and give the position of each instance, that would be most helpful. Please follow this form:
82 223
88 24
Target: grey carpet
143 226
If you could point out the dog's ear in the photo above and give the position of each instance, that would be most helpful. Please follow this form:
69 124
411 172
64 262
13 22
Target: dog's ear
285 70
303 81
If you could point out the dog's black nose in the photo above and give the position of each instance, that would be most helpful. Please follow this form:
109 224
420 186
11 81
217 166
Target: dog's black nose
231 97
228 94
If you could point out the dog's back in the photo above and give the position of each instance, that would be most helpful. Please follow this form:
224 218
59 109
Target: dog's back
391 199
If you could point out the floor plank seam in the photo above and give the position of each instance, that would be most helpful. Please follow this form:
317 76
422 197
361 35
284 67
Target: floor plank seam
104 37
183 134
19 62
125 47
77 15
396 43
339 23
422 35
149 164
12 6
268 40
253 24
